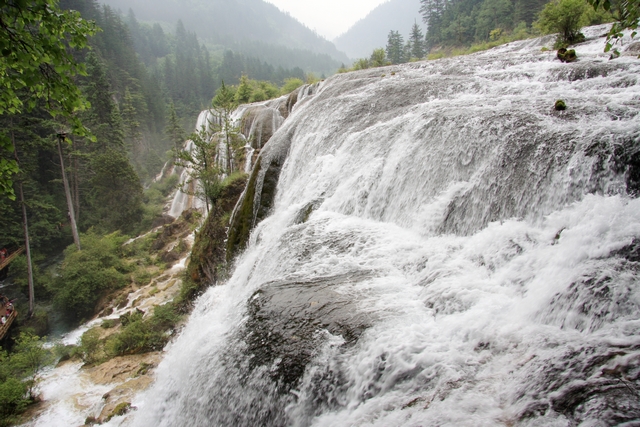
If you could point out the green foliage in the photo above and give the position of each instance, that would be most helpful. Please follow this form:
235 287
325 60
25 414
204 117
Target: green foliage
416 40
565 17
174 130
141 335
626 16
204 179
36 64
360 64
90 348
394 49
116 197
462 23
378 58
19 375
250 90
12 400
41 280
291 84
86 275
243 93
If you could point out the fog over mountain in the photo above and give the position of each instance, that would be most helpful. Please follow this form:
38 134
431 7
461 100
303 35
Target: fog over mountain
371 31
249 26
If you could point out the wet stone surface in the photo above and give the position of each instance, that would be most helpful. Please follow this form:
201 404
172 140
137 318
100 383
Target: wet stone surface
287 320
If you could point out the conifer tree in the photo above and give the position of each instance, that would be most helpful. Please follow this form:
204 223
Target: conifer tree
174 130
223 105
395 44
243 93
417 42
130 122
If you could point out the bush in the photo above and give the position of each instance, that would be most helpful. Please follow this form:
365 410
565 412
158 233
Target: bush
12 400
378 58
140 335
565 17
90 348
18 376
291 84
87 275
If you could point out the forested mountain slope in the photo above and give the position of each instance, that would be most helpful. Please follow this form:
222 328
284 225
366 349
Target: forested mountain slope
251 27
371 31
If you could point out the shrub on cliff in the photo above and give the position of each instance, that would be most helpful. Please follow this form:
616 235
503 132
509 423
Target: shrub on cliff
87 275
141 335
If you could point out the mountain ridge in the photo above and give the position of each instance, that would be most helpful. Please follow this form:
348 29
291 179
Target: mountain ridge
371 31
234 22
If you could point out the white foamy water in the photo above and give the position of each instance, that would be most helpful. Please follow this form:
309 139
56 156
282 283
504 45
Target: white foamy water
464 254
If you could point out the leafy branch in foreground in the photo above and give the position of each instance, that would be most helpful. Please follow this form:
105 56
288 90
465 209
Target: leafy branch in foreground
36 39
626 14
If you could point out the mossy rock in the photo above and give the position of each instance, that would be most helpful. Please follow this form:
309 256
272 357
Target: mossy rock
566 55
208 254
120 409
560 105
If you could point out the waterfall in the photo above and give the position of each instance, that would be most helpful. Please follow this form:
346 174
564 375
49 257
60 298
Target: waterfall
443 249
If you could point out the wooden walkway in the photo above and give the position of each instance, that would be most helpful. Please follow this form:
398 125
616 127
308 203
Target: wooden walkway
5 328
10 258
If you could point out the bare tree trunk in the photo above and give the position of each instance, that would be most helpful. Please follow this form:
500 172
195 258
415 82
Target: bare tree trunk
27 249
76 184
67 192
25 228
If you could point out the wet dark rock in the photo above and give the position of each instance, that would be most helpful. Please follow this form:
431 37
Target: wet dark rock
582 386
630 252
287 320
625 156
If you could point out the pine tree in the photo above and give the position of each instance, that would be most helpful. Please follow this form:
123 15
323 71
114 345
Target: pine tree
417 42
394 49
174 130
223 104
243 93
132 134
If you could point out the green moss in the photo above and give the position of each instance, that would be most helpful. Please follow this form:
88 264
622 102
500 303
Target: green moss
120 409
207 263
566 55
242 224
560 105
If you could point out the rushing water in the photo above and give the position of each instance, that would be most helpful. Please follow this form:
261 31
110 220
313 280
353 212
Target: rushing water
445 249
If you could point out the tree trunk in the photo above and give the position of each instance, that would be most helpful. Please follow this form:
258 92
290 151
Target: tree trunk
25 227
76 179
67 192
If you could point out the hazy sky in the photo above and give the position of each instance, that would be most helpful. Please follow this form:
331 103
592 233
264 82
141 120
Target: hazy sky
329 18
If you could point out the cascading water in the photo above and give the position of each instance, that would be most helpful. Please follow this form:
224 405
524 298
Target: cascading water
444 249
